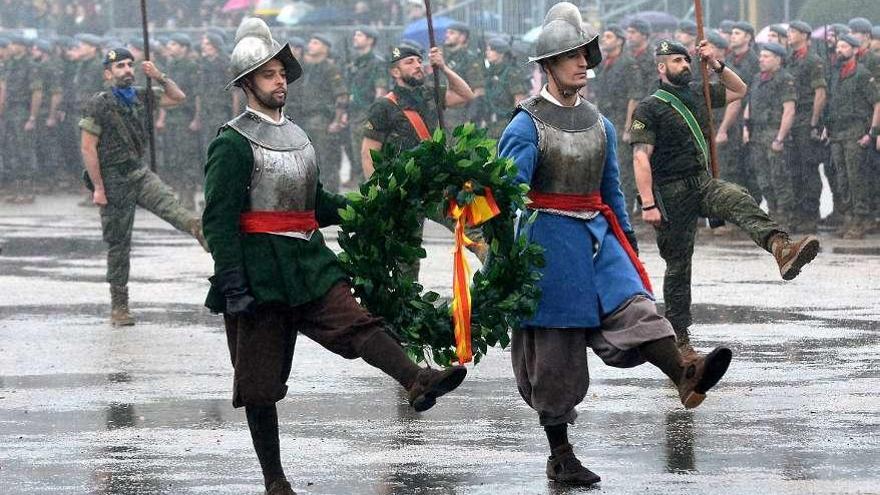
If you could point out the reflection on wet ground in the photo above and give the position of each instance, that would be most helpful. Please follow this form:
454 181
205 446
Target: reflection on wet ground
87 409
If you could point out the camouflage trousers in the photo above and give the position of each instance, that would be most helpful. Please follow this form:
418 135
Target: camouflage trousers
853 178
356 126
804 158
125 192
734 163
627 172
685 201
328 150
774 175
182 163
19 146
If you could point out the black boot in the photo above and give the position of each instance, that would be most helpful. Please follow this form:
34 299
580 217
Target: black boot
564 467
263 423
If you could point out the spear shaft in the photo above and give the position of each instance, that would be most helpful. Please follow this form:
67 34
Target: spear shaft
704 68
436 68
149 102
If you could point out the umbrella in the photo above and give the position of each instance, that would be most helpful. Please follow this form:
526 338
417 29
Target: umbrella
269 7
418 30
660 21
293 13
232 5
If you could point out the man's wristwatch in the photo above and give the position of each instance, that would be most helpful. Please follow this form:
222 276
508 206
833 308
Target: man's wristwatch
721 67
649 207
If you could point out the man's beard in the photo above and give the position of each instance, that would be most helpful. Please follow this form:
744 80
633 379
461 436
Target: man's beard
683 78
413 82
842 60
124 82
268 100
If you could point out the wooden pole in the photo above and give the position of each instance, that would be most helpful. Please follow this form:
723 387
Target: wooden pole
704 68
436 71
149 102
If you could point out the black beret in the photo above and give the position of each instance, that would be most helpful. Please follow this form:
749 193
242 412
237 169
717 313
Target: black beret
498 44
369 32
181 39
460 27
745 26
715 38
780 30
726 26
115 55
617 30
403 51
641 26
688 26
860 25
670 47
412 44
850 40
801 26
296 41
775 49
323 38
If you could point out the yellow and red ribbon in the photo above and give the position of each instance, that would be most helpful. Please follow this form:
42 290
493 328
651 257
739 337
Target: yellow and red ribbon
481 210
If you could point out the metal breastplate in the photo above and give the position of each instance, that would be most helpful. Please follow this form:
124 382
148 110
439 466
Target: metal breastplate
571 145
285 174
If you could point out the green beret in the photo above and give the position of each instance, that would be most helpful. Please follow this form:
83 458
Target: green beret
89 39
688 26
181 39
839 29
369 32
860 25
641 26
403 51
498 44
726 26
801 26
780 30
323 38
715 39
745 26
669 47
849 40
616 30
460 27
775 49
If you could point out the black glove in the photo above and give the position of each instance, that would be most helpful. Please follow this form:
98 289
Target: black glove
233 284
631 237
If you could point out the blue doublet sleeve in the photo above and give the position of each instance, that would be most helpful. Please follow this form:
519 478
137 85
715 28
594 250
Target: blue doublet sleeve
519 141
610 188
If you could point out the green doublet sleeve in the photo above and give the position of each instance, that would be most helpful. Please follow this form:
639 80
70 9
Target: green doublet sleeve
279 269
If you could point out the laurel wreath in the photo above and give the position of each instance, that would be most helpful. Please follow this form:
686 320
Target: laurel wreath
380 234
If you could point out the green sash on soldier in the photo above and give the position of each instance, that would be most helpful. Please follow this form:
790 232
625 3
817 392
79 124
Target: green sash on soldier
685 112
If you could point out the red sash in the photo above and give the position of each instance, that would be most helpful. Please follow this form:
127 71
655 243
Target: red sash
255 222
591 202
413 117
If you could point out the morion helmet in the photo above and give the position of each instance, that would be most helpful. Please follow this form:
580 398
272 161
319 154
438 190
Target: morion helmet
563 31
254 47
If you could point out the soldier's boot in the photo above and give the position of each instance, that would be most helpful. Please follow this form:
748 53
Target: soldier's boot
119 314
195 230
683 343
430 384
792 256
701 375
280 487
564 467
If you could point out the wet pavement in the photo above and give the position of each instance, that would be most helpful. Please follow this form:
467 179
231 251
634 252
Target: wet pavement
87 409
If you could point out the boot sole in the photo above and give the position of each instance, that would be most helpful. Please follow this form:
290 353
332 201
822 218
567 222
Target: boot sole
807 254
429 398
717 363
587 482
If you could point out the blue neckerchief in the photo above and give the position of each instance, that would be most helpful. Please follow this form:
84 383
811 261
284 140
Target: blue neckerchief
125 95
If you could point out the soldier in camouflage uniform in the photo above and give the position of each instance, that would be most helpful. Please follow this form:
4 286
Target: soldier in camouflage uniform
113 143
505 86
467 64
643 72
860 29
4 48
23 101
778 33
367 79
87 81
215 105
47 71
618 82
182 130
770 111
853 124
807 151
670 156
319 102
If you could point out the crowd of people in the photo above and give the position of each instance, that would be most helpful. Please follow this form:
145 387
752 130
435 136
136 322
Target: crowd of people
811 103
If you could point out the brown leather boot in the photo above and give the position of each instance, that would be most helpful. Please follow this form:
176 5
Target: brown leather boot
688 354
119 315
430 384
701 375
792 256
280 487
564 467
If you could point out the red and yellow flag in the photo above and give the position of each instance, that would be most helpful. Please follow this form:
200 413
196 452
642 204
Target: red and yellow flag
481 210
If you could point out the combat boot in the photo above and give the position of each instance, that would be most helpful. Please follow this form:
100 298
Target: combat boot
430 384
688 354
119 315
792 256
564 467
195 230
701 375
280 487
